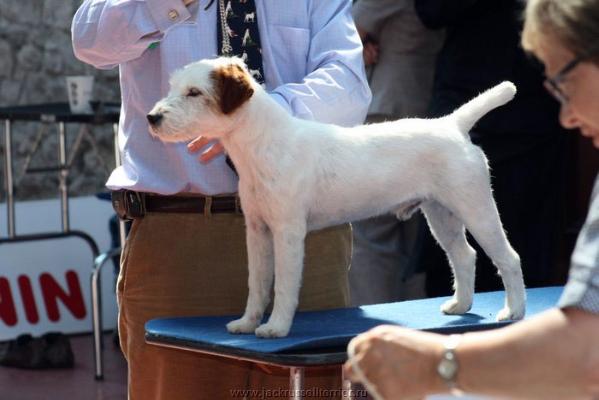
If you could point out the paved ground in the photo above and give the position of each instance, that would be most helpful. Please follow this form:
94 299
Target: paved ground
70 384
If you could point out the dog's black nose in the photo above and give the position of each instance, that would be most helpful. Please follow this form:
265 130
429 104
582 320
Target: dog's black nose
153 119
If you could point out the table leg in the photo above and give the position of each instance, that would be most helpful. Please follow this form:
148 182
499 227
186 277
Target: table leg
63 176
346 387
296 382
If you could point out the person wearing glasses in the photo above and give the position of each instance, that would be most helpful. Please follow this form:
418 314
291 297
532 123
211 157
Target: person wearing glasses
526 147
554 355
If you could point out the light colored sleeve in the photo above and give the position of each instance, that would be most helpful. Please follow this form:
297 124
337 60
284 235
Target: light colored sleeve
106 33
370 14
336 89
582 289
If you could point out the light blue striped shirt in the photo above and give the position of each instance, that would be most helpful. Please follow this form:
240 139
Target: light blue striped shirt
582 289
312 59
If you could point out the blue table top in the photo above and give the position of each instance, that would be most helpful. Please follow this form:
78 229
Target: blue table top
330 331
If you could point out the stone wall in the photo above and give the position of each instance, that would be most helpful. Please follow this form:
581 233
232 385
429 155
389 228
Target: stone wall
35 57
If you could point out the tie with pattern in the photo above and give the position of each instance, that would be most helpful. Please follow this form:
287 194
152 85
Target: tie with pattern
238 35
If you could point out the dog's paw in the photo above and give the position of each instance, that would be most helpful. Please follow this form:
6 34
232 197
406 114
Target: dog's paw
453 307
272 330
507 314
242 325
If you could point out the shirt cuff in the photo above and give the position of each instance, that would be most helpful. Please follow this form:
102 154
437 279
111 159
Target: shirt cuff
581 292
167 13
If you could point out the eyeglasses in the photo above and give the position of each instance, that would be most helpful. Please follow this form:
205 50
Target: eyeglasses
552 84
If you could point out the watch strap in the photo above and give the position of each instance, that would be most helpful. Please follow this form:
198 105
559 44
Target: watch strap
448 366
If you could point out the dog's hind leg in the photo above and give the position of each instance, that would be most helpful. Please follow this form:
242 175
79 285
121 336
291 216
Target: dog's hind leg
473 202
260 276
289 256
485 226
450 234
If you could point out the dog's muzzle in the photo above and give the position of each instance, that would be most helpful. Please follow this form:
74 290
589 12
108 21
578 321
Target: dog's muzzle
154 119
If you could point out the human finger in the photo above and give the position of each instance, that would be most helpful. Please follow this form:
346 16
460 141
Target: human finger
348 371
370 54
214 151
196 144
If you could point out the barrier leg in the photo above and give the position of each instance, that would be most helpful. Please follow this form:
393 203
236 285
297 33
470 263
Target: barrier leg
96 288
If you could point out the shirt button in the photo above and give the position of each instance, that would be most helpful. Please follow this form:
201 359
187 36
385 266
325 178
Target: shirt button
173 15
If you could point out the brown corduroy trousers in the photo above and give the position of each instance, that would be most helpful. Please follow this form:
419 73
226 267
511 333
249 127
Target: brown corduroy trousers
191 265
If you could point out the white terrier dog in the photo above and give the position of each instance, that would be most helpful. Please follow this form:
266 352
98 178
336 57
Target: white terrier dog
297 176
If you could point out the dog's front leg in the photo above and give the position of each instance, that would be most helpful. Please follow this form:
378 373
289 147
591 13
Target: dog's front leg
260 276
289 257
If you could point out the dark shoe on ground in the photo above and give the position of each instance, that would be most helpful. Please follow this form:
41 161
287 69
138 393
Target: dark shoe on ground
23 352
57 350
52 350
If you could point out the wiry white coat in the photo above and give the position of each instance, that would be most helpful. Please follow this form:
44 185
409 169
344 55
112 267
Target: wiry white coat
296 176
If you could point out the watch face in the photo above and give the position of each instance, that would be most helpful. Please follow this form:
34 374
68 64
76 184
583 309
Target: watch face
447 368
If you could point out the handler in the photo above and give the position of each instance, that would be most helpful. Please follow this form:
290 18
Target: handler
185 254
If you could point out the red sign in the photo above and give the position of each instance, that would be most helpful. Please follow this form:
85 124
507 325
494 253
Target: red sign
52 292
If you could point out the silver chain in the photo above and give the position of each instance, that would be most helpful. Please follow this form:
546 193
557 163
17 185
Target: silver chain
226 48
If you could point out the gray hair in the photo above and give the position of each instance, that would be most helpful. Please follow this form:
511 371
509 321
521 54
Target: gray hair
573 23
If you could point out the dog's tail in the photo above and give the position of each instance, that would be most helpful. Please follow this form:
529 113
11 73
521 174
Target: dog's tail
468 114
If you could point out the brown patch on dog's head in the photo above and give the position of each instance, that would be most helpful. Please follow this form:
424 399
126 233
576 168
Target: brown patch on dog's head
233 87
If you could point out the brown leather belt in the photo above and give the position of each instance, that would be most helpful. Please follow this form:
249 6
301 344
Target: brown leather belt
131 205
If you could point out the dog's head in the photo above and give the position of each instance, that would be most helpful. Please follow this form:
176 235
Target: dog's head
204 97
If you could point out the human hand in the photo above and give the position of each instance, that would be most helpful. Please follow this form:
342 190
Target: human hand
188 2
213 151
370 53
396 363
371 48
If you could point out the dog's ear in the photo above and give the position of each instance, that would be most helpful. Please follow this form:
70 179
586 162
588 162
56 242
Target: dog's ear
233 87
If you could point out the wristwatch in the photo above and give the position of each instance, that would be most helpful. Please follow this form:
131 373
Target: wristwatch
448 366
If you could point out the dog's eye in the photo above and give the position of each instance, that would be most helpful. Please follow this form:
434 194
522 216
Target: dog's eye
194 92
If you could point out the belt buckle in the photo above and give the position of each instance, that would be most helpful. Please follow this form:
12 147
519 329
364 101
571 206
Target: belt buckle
128 204
117 198
135 204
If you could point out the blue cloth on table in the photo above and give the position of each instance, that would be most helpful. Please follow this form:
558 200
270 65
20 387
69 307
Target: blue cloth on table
335 328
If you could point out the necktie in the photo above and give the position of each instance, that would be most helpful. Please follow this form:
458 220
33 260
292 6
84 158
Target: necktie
238 35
